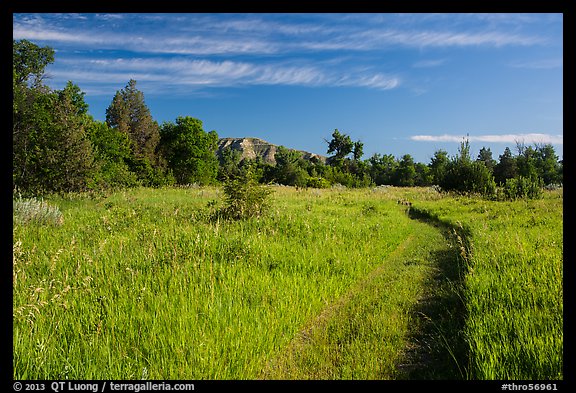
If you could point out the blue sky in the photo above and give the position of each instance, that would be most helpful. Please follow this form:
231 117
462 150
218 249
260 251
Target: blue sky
400 83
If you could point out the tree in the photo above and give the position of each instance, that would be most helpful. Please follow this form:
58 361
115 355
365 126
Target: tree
289 168
526 161
69 160
547 164
51 149
29 62
423 175
464 151
29 107
406 171
466 176
341 145
113 153
358 151
229 164
485 156
438 165
76 97
129 114
190 151
382 168
506 167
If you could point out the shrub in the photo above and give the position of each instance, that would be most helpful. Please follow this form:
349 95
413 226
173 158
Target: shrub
468 177
244 198
29 210
317 182
523 187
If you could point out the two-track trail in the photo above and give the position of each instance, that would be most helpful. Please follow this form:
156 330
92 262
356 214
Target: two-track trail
400 321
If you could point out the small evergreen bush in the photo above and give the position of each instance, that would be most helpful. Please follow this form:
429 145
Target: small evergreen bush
244 198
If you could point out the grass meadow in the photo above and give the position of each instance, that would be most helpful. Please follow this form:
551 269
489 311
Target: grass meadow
330 284
513 284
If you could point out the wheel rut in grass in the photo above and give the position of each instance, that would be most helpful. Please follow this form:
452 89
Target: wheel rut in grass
400 321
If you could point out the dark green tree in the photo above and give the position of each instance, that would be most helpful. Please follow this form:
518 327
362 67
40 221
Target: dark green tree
406 171
69 158
129 113
51 149
485 156
547 165
423 175
526 161
357 151
230 164
382 168
289 168
466 176
341 145
30 105
506 167
438 165
190 151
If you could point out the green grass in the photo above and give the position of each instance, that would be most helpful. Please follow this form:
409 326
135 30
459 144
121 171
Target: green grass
513 284
331 284
143 280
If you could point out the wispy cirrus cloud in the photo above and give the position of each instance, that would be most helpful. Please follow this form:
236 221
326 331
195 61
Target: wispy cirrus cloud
528 138
184 73
146 43
255 35
252 49
432 38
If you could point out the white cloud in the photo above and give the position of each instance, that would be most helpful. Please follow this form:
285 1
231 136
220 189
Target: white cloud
144 42
181 72
528 138
205 34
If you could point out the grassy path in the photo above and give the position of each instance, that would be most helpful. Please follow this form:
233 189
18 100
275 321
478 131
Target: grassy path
392 324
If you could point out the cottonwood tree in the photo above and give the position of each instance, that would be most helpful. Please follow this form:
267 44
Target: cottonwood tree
28 106
51 149
341 145
190 151
29 62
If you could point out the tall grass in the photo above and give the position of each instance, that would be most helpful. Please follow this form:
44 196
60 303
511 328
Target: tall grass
329 284
142 280
513 284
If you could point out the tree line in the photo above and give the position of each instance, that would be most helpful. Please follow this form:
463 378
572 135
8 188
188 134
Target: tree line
59 147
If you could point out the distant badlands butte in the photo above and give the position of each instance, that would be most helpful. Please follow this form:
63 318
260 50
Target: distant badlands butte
255 147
